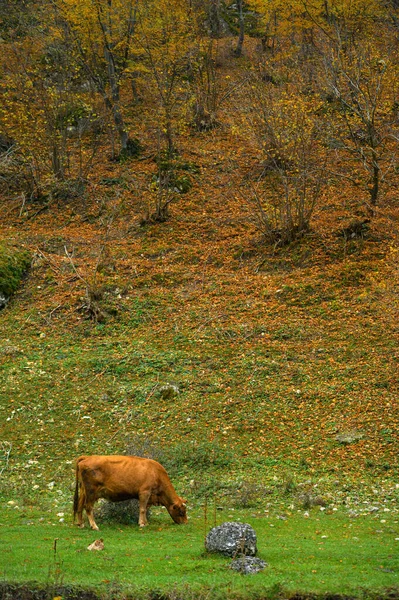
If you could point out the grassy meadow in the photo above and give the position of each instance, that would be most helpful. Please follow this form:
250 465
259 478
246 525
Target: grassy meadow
316 554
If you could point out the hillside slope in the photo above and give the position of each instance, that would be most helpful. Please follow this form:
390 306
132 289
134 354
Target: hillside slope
285 358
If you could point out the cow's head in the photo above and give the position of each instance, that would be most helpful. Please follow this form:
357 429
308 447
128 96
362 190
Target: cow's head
178 512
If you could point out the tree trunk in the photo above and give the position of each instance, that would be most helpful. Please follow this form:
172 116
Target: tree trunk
115 104
375 185
169 136
240 42
56 163
215 25
120 127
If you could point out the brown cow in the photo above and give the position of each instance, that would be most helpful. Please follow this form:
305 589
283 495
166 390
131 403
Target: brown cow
119 478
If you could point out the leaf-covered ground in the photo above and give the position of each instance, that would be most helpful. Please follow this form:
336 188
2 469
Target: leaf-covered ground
285 359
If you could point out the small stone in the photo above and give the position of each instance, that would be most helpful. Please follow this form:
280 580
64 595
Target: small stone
168 391
3 300
248 565
349 437
96 545
9 350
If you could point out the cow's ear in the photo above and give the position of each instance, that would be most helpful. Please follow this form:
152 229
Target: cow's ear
184 502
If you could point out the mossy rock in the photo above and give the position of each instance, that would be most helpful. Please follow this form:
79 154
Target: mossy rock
13 265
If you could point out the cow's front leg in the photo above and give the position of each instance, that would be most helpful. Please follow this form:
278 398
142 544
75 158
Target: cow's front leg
143 501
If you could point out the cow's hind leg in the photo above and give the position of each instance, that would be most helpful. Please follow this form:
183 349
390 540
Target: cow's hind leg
143 501
90 516
81 506
89 497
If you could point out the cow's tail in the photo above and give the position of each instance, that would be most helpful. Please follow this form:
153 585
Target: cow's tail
77 489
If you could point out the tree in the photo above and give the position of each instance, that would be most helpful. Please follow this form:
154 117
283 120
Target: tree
167 39
45 108
102 32
363 89
241 28
214 17
285 126
341 56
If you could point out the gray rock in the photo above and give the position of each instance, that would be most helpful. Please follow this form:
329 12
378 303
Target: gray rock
248 565
232 539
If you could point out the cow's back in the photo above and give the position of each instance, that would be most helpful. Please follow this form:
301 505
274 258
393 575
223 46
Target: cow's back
123 476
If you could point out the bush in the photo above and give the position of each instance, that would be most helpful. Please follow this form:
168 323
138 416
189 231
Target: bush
13 265
17 173
170 175
183 457
68 189
133 149
125 512
293 177
74 114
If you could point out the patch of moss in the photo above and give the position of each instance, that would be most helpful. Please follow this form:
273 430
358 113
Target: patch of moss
13 265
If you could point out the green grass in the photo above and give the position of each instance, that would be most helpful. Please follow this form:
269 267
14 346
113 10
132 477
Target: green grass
317 554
